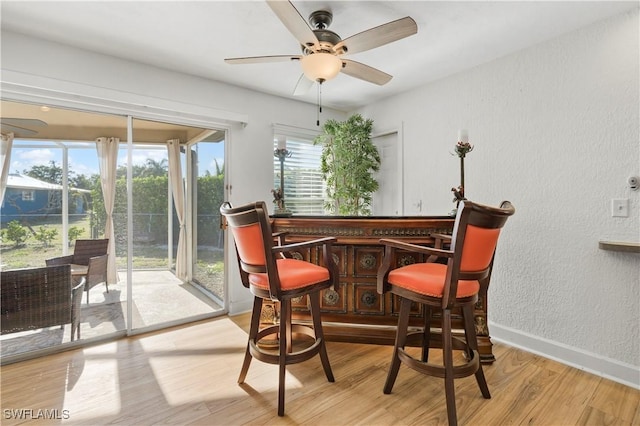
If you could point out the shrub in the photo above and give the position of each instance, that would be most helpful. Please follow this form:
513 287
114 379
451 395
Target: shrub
74 232
45 236
16 233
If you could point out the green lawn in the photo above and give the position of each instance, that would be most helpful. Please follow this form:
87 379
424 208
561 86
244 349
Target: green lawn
33 253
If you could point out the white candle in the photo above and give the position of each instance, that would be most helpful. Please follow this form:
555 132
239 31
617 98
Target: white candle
463 136
282 143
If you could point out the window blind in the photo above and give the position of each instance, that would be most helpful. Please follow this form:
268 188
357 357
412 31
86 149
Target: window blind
304 187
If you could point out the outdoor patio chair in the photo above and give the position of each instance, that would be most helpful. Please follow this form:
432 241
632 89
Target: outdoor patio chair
34 298
89 253
82 252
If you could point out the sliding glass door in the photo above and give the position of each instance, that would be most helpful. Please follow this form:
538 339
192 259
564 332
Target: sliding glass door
206 166
164 188
55 196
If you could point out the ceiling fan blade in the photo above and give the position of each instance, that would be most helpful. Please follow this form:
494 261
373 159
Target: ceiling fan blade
365 72
263 59
17 130
303 86
294 22
31 122
379 36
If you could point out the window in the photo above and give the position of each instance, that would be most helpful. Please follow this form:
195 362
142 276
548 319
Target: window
304 187
28 195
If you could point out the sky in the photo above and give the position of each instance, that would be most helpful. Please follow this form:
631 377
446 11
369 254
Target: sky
83 158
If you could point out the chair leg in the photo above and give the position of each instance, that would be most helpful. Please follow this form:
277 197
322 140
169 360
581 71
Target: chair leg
253 333
447 356
472 344
401 339
289 337
426 333
314 299
87 296
285 345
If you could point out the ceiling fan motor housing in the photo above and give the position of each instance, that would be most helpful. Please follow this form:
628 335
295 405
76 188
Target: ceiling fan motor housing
320 20
327 39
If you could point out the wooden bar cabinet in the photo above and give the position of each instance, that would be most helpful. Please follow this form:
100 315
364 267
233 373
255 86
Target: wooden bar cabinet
355 312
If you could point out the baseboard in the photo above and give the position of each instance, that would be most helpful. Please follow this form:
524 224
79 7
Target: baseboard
608 368
240 307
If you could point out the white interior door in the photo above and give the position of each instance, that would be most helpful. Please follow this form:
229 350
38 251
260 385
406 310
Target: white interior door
387 201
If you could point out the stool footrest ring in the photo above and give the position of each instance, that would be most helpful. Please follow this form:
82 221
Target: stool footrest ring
431 369
272 357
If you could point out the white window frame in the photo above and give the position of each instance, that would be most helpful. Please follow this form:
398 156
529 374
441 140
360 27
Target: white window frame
308 194
28 195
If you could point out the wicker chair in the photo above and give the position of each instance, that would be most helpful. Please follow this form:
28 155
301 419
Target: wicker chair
96 273
82 252
91 253
39 297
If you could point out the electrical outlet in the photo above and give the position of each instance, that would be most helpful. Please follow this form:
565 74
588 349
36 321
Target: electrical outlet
620 207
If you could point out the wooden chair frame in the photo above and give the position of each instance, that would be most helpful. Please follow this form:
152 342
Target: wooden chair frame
469 214
256 213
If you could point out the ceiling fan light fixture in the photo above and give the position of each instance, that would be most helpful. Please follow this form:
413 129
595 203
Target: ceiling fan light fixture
321 66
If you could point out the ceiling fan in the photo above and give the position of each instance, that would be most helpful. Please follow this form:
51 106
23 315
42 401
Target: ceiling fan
21 127
323 49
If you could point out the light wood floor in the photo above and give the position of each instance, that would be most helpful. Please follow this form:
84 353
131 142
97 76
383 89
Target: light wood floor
187 375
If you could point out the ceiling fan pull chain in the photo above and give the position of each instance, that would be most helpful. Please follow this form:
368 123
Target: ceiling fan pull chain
319 101
320 81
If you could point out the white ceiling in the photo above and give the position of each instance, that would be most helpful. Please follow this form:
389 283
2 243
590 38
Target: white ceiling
194 37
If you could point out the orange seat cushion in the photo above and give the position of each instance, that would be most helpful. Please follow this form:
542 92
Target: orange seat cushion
428 279
294 274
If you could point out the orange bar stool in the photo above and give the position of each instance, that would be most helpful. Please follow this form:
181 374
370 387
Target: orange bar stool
443 287
268 274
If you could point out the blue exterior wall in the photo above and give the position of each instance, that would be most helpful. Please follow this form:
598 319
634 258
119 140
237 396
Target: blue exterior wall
15 208
13 204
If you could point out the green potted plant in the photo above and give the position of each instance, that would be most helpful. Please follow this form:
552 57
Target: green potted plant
348 163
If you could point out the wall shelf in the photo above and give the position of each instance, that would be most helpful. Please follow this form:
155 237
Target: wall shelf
619 246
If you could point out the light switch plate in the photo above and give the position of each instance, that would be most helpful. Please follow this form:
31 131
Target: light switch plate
620 207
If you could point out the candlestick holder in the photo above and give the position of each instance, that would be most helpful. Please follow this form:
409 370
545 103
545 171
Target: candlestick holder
462 148
278 194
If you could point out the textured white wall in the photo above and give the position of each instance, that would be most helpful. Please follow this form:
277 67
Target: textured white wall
556 131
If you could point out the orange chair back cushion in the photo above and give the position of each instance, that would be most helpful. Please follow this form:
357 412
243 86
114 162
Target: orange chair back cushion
249 244
479 246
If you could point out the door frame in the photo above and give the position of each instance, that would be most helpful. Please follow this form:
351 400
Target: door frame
145 108
399 131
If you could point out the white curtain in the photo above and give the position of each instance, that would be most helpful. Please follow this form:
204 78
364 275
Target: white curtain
5 162
108 159
175 179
